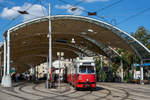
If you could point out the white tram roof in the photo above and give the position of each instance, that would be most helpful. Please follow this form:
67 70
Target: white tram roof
84 59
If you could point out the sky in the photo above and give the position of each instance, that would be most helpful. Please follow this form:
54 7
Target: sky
127 15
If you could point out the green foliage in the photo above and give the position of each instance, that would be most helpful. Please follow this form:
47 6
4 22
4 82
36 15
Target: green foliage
137 68
143 36
100 71
97 69
129 77
104 76
115 66
97 66
128 58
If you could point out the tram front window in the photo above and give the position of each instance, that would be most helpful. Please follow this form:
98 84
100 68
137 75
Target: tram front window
82 69
90 69
86 69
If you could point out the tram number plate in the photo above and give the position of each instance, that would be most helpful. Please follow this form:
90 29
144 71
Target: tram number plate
87 85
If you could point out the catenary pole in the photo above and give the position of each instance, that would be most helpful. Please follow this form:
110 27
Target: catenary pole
50 41
141 72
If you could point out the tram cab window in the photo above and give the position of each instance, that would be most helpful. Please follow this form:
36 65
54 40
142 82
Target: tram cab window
86 69
82 69
90 69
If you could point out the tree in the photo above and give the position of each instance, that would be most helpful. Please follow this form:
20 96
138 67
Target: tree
101 75
143 36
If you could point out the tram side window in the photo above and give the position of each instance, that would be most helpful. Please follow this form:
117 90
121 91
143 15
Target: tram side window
82 69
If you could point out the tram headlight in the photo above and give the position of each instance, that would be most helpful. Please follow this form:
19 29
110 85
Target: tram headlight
87 80
93 64
80 63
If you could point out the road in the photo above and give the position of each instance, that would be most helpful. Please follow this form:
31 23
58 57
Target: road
104 91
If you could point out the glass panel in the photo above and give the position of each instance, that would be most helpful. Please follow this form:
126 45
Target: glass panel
86 69
82 69
90 69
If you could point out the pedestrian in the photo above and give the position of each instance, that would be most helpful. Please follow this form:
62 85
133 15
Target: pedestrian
16 77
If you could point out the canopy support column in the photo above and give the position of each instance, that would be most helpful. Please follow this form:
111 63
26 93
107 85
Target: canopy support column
50 49
8 77
4 68
50 42
47 80
122 75
101 67
141 72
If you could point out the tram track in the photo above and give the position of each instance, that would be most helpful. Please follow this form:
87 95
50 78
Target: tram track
21 89
78 97
125 91
39 95
52 91
127 94
137 94
67 89
64 95
102 97
14 95
103 91
12 88
136 90
43 97
11 91
56 94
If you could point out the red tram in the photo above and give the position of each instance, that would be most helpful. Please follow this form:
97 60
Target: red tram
82 73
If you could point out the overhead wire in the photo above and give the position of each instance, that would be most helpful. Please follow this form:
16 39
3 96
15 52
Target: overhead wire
135 15
81 1
3 6
84 10
15 18
75 5
65 2
110 5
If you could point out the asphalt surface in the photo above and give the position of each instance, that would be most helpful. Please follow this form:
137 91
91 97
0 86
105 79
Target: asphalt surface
103 91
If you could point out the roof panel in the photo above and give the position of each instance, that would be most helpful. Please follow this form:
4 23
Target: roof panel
98 38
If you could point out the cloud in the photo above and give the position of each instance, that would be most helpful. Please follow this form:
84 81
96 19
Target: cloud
68 8
34 11
89 1
10 13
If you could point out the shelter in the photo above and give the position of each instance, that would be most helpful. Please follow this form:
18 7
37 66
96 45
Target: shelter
28 42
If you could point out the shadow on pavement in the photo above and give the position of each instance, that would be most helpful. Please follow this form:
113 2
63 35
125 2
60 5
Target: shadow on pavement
91 89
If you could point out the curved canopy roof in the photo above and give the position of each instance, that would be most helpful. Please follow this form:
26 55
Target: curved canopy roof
29 40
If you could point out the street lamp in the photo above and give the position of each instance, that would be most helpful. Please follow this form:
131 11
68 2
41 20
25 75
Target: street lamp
73 41
50 49
59 54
